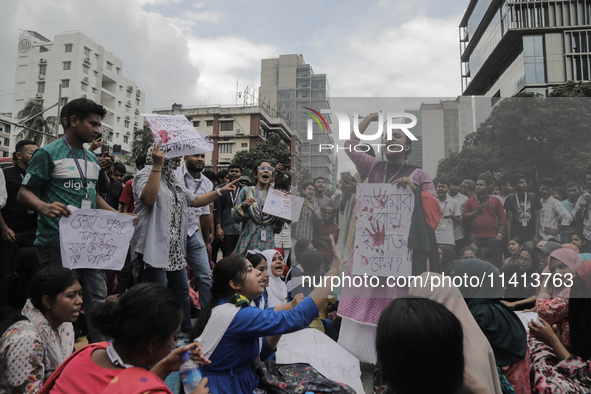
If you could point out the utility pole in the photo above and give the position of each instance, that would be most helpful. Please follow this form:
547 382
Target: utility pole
59 121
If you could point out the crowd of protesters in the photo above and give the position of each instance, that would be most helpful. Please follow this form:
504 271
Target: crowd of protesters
204 248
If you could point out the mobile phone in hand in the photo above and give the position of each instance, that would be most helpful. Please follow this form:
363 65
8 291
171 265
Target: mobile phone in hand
346 176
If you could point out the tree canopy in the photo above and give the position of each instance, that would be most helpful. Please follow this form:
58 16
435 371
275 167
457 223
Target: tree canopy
44 125
272 148
142 139
537 136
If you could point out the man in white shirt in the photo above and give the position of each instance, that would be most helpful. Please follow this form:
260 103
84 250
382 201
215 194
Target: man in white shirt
461 236
554 217
190 175
450 215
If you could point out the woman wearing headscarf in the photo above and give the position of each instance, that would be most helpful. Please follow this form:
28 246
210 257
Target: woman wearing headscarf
500 325
277 290
159 239
557 367
552 302
520 278
478 354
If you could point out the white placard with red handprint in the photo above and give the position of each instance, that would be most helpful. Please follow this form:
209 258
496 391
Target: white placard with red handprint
178 136
383 216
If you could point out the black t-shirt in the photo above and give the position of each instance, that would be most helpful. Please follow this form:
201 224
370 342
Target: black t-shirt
18 218
523 213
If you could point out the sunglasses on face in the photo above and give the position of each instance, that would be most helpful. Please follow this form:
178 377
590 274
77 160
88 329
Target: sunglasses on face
263 168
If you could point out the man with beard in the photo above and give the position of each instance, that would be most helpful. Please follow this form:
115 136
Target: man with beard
487 220
191 176
554 217
523 212
319 197
450 215
226 231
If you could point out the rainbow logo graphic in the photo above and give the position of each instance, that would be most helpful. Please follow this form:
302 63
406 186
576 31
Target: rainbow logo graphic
315 115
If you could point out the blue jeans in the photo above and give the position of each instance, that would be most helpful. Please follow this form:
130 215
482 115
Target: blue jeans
199 262
177 281
94 287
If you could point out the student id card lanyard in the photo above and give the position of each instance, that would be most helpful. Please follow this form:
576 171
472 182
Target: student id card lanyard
263 232
522 209
196 188
393 176
86 203
115 358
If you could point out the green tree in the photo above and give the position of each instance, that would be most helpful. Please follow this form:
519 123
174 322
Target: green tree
40 123
142 139
572 89
273 148
537 136
306 175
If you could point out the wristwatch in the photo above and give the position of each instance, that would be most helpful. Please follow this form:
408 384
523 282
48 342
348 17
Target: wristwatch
500 235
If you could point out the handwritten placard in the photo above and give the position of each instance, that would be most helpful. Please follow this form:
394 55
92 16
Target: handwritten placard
95 238
278 204
383 217
296 207
178 136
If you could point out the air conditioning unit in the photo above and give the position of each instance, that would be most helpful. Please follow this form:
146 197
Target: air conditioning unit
129 103
83 96
42 60
42 77
39 96
85 79
239 132
138 93
86 59
136 123
130 88
128 132
127 117
137 111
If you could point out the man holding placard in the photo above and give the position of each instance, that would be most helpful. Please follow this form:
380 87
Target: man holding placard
65 173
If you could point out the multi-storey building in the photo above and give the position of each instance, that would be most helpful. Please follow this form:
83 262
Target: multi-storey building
5 128
237 128
524 45
290 85
83 69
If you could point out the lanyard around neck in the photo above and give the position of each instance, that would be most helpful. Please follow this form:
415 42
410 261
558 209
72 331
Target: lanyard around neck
83 177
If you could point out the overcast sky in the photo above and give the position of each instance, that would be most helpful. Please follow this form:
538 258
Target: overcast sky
194 53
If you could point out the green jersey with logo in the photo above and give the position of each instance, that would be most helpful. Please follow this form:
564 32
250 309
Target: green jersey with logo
53 173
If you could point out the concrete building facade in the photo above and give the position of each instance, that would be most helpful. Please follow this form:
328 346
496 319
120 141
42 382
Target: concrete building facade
510 47
235 128
5 130
289 84
84 69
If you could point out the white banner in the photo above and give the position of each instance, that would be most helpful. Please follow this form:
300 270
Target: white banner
95 238
283 205
383 217
178 136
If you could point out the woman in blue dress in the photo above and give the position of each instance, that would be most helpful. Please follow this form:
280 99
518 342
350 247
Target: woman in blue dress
235 336
258 227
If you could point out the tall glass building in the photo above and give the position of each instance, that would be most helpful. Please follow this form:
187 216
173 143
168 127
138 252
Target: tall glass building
507 47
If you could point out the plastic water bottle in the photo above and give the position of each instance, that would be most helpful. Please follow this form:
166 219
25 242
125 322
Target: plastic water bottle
190 373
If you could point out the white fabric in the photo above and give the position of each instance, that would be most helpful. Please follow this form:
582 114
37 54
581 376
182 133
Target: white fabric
459 232
277 290
216 327
294 282
359 339
205 186
445 229
3 192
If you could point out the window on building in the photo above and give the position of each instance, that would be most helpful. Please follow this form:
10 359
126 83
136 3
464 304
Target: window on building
137 116
533 58
120 88
127 109
126 124
126 139
40 87
84 87
128 94
225 148
462 116
117 135
69 47
63 101
43 69
117 70
137 102
4 154
95 73
96 56
67 65
227 126
87 52
6 141
109 66
7 128
118 119
209 123
244 145
195 123
85 69
318 83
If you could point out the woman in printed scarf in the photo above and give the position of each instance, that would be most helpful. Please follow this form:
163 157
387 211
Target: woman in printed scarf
258 227
159 241
43 337
361 307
